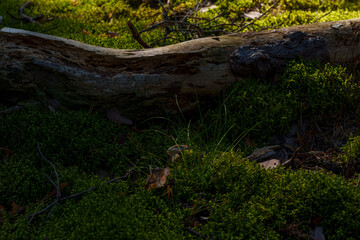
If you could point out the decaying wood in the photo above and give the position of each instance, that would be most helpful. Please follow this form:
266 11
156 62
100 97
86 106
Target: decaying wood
142 83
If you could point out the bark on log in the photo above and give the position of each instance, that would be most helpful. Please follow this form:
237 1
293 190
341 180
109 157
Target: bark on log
143 83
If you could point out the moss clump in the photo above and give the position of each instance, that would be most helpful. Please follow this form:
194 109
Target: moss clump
75 139
21 180
322 89
244 201
350 159
112 212
238 198
308 89
67 138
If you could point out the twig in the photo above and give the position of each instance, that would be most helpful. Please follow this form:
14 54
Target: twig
165 17
161 39
11 109
199 27
317 19
193 232
46 30
95 187
196 25
57 185
289 162
41 211
212 19
25 17
52 182
13 17
136 35
277 25
54 204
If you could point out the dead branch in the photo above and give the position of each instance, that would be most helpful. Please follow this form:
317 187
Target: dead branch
23 17
57 187
95 187
189 26
165 17
277 25
143 83
289 162
317 19
49 29
136 35
195 233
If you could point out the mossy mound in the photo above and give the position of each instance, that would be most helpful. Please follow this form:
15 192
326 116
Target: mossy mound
218 195
211 188
306 90
104 23
74 139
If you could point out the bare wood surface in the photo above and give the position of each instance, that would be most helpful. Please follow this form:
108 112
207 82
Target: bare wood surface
149 82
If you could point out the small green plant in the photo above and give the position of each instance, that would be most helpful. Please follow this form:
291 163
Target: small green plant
350 159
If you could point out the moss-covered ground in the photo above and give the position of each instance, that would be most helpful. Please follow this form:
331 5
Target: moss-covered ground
211 189
90 21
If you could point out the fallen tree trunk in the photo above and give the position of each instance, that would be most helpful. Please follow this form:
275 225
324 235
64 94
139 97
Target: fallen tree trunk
142 83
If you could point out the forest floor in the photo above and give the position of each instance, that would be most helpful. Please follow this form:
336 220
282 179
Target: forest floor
267 161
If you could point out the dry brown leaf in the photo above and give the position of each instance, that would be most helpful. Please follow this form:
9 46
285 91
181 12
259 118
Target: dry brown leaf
169 191
157 178
112 34
86 32
249 142
175 151
74 3
121 139
9 153
16 209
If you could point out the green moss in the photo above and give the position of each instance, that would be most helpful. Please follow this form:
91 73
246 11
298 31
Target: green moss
112 211
350 159
240 199
307 88
22 181
90 21
76 139
66 138
248 202
322 89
